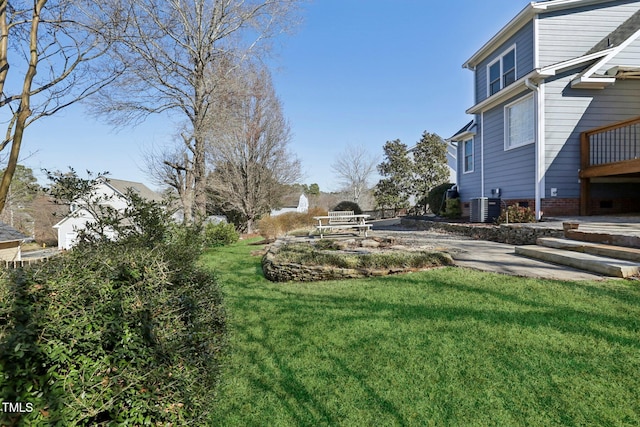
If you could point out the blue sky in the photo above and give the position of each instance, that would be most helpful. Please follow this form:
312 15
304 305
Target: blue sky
358 72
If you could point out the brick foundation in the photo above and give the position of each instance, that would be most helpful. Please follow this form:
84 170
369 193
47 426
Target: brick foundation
560 207
550 206
571 206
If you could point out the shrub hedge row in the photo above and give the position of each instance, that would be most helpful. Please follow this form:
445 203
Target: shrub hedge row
126 332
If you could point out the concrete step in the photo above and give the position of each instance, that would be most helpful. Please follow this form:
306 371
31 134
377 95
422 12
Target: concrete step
586 234
597 264
618 252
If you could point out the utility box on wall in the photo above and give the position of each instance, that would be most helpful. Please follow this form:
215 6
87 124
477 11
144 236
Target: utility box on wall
484 209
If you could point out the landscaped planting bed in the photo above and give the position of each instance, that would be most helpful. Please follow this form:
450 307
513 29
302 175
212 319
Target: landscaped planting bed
332 260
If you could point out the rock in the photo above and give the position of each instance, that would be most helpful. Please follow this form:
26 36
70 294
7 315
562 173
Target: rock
372 244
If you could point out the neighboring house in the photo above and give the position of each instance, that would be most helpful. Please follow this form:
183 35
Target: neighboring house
301 207
559 71
110 192
10 240
452 161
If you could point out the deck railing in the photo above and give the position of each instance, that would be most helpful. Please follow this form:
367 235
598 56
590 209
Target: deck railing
617 142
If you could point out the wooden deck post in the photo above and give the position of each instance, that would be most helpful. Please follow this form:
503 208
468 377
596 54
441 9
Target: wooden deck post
585 183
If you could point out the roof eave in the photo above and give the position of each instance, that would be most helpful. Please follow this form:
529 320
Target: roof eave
463 136
583 82
528 13
512 90
554 69
501 36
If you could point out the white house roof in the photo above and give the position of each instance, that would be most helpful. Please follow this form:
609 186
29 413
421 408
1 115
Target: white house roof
520 20
121 186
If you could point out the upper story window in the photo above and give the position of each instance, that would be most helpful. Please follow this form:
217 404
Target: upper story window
502 71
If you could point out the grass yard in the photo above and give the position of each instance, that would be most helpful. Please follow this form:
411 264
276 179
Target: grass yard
443 347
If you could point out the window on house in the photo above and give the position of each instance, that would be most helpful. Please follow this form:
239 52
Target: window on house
468 156
494 78
519 123
509 68
502 71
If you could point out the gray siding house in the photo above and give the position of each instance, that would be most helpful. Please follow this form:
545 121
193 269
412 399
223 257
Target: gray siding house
556 120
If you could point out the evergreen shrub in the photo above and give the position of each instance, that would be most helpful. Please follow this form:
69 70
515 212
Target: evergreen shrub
435 198
220 234
346 205
453 209
124 332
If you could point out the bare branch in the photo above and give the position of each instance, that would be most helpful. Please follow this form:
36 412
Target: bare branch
178 55
354 167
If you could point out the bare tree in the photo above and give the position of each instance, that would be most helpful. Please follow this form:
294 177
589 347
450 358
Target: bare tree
249 150
49 59
354 167
178 54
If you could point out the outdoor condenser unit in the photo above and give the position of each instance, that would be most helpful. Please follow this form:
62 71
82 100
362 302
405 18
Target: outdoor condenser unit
484 209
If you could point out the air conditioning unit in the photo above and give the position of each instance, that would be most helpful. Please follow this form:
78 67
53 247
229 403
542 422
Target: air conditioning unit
484 209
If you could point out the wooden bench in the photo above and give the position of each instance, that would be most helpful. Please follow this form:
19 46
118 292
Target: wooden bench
340 220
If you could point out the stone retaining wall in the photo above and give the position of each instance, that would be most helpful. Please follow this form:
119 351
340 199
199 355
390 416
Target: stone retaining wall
513 234
286 272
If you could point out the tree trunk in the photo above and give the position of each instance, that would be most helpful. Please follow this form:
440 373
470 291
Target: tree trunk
199 180
24 110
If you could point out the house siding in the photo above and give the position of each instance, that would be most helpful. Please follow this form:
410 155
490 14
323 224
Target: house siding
562 35
513 171
523 40
573 32
103 194
469 183
570 112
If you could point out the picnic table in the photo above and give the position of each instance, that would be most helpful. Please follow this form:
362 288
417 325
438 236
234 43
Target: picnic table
340 220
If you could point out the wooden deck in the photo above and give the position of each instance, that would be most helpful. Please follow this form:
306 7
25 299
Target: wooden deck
608 151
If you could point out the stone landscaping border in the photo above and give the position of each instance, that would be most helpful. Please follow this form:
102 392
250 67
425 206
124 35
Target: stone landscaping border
293 272
513 234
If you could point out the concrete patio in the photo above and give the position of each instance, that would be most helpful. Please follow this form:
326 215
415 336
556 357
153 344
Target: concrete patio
500 257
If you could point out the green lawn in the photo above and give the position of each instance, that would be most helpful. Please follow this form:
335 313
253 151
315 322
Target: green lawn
443 347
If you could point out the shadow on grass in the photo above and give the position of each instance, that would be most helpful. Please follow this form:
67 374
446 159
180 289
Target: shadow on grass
292 315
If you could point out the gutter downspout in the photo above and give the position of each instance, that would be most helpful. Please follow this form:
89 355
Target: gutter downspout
482 154
539 146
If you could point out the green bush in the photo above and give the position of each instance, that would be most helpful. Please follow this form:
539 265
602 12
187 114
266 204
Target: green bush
108 334
220 234
453 208
516 214
435 198
348 206
125 332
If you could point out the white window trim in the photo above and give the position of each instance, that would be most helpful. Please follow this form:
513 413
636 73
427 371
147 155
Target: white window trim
464 156
508 147
499 58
